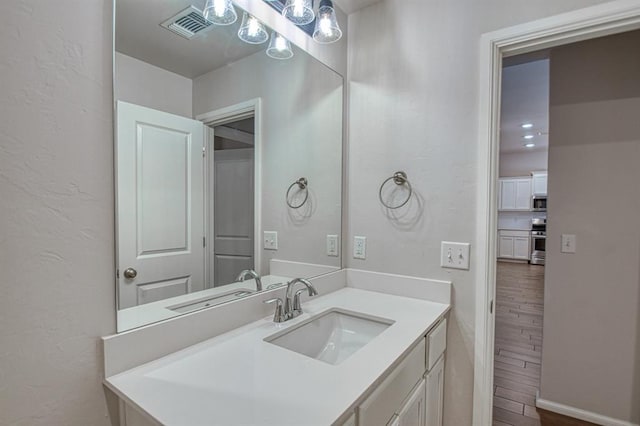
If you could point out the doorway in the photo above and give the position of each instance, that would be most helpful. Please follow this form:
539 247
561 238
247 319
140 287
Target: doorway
233 186
522 218
597 21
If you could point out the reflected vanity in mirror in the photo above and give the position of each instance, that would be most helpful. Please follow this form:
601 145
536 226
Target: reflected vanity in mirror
228 161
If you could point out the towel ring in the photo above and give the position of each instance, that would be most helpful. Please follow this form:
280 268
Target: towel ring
302 184
399 178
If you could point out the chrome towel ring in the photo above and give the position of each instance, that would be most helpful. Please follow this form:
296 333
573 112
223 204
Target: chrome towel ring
302 185
399 178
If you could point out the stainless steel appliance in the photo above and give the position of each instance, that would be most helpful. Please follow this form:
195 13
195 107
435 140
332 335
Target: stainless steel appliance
539 203
538 241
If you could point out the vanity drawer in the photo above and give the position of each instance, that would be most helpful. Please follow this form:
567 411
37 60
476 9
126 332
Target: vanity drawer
382 404
436 343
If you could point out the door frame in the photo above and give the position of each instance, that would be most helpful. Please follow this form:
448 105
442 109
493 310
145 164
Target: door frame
217 117
582 24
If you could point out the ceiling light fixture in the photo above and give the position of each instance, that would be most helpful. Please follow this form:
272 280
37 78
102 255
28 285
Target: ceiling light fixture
528 136
300 12
252 31
529 145
327 29
220 12
527 125
279 47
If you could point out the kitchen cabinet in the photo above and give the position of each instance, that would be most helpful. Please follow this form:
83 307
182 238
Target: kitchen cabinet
514 244
515 194
413 392
539 183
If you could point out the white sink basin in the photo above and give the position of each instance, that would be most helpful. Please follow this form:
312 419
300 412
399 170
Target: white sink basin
331 336
194 305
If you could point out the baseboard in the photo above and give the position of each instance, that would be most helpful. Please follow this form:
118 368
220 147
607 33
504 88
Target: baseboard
578 413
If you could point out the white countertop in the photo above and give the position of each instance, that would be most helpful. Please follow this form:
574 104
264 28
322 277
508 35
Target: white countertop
239 379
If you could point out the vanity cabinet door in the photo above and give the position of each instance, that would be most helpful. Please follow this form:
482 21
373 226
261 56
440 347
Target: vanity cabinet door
379 408
435 394
412 412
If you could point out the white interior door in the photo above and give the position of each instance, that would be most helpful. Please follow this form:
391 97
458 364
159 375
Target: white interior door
160 211
233 213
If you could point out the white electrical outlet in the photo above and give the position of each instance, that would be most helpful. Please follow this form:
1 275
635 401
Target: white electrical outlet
270 240
454 255
359 247
568 243
332 245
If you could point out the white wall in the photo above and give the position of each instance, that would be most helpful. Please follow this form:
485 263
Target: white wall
591 343
56 181
413 82
301 136
523 163
144 84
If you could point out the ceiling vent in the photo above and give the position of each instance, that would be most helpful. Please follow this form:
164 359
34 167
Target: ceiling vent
187 23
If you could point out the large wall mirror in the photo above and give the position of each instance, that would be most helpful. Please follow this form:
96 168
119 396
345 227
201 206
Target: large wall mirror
228 161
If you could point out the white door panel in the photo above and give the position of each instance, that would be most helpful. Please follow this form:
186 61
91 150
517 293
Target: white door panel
152 292
160 204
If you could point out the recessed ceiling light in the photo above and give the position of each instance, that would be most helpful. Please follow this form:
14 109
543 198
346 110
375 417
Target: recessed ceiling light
529 145
527 125
528 136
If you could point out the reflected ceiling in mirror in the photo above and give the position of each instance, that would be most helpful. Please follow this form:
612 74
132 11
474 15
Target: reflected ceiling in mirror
213 138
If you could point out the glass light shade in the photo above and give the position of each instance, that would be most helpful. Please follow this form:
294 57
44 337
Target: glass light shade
252 31
300 12
220 12
279 47
327 29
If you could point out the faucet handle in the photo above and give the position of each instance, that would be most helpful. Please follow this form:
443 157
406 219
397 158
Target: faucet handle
297 306
277 315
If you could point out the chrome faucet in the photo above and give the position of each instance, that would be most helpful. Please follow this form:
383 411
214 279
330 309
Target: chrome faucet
253 274
292 305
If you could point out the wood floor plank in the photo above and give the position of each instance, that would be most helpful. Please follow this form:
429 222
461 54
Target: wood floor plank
514 385
518 370
518 343
507 404
510 361
508 417
524 398
520 356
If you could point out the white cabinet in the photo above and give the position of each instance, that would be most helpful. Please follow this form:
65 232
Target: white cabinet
515 194
434 394
514 244
404 397
351 421
413 410
539 183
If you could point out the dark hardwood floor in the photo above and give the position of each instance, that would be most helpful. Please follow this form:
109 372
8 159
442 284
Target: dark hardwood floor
518 348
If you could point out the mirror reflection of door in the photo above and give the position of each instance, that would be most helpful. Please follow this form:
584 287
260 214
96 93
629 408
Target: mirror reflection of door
233 211
160 213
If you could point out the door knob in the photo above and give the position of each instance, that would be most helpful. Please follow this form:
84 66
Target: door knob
130 273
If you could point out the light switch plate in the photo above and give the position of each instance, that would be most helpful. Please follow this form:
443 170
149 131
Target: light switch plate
332 245
568 243
270 240
359 247
454 255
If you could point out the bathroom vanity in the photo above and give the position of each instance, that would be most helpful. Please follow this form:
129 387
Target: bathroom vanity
247 377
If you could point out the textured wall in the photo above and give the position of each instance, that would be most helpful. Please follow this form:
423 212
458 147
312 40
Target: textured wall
592 297
56 215
140 83
413 71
